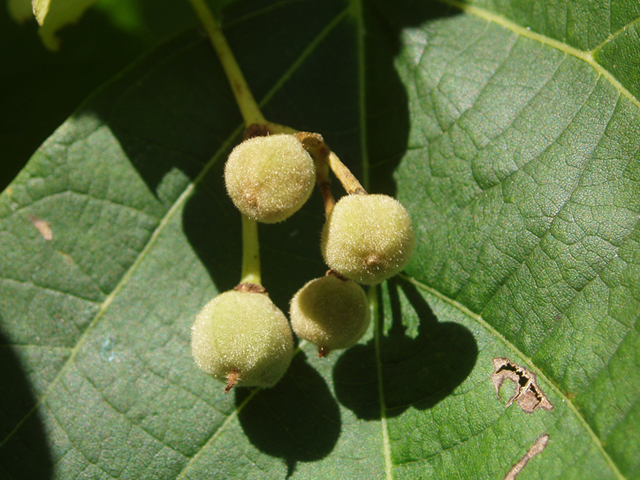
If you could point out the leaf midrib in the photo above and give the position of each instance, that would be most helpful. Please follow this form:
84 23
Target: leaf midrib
365 166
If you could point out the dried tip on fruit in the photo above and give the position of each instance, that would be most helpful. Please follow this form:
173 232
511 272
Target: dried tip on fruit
368 238
242 338
330 312
232 379
269 178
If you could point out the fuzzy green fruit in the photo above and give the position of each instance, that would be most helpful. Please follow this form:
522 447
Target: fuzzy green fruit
330 312
242 338
367 238
269 178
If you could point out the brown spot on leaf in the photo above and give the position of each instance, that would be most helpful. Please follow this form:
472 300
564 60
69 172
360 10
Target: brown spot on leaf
42 226
527 392
538 446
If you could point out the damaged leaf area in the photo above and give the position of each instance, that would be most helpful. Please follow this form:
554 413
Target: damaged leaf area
538 446
527 392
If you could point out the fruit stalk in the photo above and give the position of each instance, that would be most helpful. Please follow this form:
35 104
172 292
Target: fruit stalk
348 180
324 185
244 98
250 252
248 106
325 159
319 150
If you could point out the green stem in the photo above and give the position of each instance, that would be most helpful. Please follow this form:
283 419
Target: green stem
251 114
244 98
250 252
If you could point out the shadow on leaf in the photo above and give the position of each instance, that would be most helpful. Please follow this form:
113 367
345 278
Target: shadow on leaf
388 125
25 454
297 420
416 372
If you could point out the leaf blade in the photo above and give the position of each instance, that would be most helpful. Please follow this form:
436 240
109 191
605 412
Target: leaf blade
435 340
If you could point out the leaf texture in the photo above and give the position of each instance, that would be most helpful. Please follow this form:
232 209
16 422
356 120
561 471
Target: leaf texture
518 162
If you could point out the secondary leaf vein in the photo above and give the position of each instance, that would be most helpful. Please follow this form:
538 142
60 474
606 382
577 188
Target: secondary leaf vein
582 55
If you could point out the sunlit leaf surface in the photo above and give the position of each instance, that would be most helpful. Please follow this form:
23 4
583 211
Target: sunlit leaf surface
509 130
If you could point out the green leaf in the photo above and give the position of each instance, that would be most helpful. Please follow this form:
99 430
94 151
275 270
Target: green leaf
518 159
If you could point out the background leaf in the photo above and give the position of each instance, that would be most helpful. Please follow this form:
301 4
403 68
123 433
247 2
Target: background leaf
43 88
518 161
52 15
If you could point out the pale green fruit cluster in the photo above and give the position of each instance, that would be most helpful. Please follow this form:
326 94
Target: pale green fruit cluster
242 338
368 238
330 312
269 177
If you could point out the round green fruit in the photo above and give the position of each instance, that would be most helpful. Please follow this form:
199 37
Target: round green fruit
242 338
330 312
269 178
368 238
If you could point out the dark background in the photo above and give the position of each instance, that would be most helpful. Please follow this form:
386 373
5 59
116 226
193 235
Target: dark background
41 88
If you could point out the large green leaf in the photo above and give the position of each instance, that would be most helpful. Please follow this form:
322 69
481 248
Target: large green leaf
516 155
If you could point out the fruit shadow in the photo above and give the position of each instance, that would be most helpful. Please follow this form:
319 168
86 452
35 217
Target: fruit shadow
298 420
416 372
25 454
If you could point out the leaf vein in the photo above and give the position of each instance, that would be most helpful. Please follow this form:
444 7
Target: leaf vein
612 36
582 55
123 281
49 289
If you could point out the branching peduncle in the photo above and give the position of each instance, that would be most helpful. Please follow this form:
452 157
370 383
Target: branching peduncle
255 120
325 159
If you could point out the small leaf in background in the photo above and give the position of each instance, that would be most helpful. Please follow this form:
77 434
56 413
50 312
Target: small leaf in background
52 15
